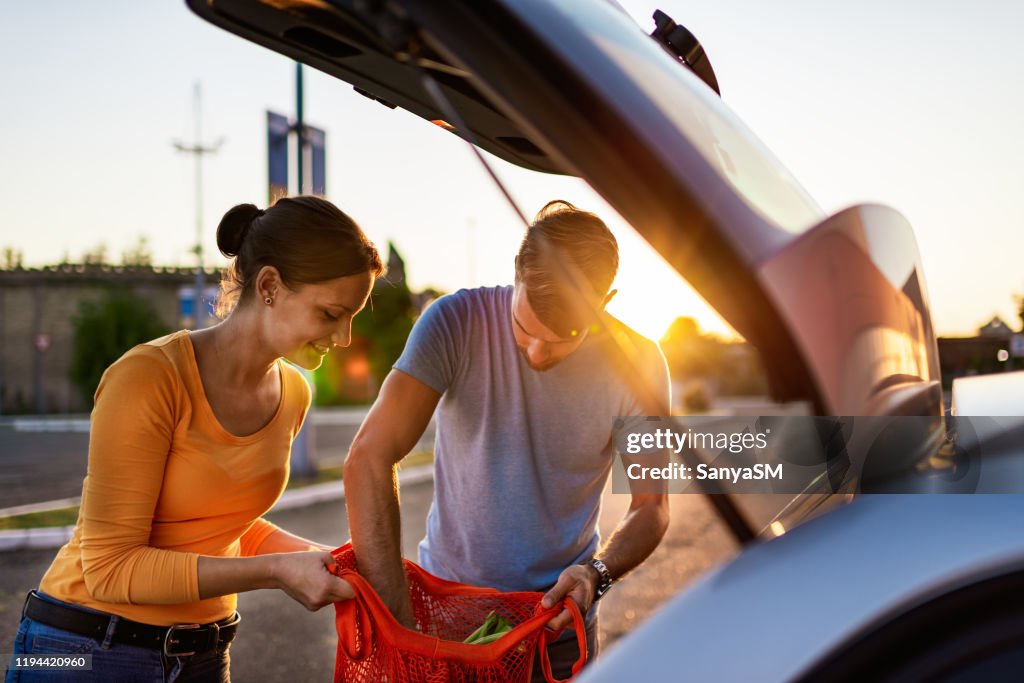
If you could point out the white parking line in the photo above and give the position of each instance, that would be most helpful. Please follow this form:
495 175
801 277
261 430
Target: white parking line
54 537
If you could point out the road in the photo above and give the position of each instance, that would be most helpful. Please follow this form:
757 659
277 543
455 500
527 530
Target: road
38 465
280 641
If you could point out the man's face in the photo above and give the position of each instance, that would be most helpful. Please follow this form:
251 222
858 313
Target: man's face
541 348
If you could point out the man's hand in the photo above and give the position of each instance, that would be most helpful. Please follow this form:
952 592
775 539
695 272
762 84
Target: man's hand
579 582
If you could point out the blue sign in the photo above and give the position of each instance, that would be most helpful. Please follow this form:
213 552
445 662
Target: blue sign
278 128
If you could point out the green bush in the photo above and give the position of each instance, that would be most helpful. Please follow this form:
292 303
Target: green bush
104 330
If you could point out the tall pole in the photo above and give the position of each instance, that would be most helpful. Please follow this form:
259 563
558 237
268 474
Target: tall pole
302 461
300 131
198 150
200 283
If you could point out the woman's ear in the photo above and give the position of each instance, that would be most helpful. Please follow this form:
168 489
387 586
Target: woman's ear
268 283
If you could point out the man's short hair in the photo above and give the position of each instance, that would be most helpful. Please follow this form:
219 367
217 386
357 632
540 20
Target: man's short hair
564 250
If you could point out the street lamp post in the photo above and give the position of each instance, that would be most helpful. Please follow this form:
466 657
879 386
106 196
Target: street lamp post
198 150
300 131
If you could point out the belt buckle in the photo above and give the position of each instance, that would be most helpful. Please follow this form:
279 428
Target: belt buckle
170 641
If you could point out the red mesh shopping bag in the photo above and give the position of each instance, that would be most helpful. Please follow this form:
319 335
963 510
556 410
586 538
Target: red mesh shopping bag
374 648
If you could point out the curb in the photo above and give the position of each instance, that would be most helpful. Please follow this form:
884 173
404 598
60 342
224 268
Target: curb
45 506
55 537
79 422
40 537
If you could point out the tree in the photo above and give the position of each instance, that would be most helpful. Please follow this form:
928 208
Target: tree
104 330
11 259
1019 299
139 255
730 368
387 326
97 256
689 352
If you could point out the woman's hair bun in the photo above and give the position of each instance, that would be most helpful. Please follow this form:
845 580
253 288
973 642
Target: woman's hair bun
234 226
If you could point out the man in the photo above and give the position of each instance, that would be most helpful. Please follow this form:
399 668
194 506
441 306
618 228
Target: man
527 381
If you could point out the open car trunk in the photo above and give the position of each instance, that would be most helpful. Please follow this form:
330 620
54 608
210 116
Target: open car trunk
837 307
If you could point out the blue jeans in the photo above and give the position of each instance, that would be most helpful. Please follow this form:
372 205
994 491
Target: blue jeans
112 661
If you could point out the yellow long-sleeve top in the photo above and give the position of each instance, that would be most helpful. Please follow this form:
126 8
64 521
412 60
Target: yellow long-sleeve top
167 483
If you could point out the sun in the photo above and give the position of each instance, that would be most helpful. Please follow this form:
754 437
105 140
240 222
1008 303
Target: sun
651 294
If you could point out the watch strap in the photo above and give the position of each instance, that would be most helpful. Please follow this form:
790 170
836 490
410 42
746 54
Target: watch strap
605 579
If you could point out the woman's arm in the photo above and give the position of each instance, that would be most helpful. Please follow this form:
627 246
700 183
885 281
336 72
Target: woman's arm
132 424
305 576
132 427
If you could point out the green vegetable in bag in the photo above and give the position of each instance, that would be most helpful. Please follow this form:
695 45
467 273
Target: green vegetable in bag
494 627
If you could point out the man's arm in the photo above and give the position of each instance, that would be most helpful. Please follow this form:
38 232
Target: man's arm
646 521
394 424
633 540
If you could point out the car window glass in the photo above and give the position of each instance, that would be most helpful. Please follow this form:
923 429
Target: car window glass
736 154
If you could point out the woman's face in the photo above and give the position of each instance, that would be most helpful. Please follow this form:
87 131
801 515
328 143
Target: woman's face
306 323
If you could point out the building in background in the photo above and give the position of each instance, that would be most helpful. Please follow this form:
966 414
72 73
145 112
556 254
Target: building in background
990 351
37 312
38 308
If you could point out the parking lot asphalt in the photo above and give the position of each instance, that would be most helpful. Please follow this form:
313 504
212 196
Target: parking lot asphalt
280 641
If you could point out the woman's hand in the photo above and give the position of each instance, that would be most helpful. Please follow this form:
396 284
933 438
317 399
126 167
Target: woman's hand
306 577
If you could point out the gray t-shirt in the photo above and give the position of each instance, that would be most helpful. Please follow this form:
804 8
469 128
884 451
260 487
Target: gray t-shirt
521 457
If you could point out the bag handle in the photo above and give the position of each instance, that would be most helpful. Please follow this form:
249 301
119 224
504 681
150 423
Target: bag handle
550 637
356 639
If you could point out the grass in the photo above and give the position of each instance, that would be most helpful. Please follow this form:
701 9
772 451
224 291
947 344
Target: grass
324 474
416 458
68 516
61 517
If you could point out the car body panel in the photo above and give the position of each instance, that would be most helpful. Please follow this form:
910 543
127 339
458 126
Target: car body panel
852 292
785 604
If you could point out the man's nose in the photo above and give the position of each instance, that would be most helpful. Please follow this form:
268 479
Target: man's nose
539 351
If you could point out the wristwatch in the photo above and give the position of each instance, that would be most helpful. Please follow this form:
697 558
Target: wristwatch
605 579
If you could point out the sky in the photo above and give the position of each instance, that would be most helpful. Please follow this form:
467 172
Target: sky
911 104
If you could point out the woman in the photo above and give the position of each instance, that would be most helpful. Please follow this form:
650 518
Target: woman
189 446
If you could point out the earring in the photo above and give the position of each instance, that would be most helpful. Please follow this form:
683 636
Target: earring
268 301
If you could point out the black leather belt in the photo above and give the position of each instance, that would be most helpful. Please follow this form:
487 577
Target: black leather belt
180 640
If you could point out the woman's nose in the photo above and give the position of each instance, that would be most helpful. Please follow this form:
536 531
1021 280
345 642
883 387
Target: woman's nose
342 336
